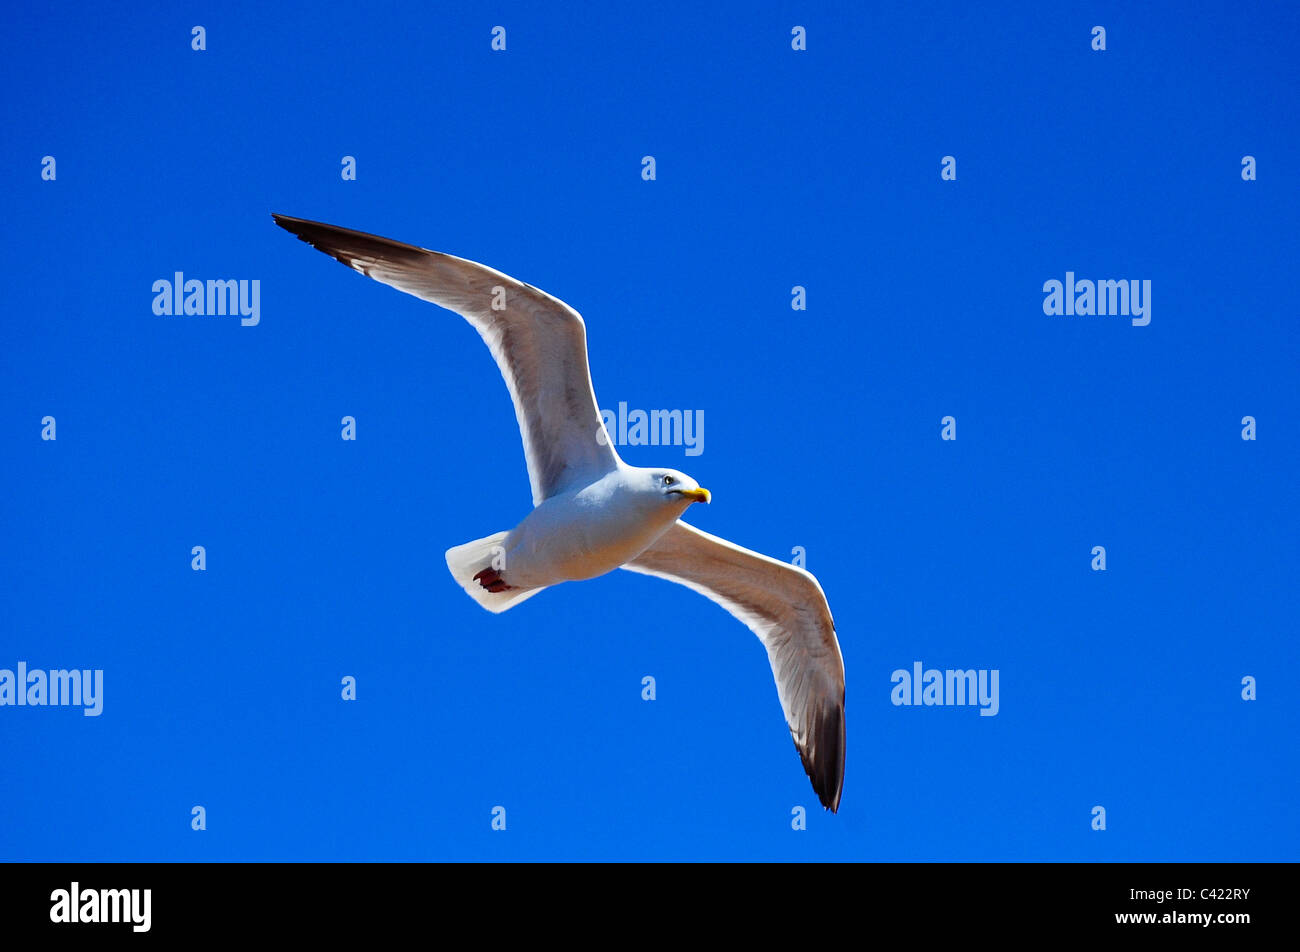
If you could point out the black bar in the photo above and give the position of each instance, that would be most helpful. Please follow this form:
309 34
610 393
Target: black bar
958 900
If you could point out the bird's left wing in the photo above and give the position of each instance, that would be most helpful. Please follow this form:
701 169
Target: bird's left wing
538 342
783 605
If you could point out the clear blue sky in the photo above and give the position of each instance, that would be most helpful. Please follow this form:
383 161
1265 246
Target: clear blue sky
775 168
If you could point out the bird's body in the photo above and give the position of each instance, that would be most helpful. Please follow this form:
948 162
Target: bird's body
593 512
588 531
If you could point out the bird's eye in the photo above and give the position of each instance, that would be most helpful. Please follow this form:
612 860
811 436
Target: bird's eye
668 480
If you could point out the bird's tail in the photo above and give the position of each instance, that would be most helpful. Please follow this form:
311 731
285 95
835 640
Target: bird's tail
479 564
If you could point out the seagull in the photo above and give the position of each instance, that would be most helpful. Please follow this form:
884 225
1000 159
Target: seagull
592 512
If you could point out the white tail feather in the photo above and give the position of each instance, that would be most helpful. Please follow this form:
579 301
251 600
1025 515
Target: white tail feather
466 561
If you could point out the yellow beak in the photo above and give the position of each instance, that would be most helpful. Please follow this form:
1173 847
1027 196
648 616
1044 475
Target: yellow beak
698 495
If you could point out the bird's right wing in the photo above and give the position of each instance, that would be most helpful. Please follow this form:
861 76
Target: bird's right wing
786 608
538 342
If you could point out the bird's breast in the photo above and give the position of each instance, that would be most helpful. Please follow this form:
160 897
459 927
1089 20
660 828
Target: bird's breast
572 538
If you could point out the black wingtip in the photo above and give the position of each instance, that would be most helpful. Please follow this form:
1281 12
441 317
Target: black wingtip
295 226
823 758
343 244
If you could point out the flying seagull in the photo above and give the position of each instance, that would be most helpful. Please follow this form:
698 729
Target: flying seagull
594 513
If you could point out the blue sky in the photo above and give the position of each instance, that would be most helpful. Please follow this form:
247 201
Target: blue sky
775 168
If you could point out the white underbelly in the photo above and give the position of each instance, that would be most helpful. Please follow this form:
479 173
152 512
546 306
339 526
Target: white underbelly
568 542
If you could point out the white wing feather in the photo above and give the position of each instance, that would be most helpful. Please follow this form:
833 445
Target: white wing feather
783 605
538 342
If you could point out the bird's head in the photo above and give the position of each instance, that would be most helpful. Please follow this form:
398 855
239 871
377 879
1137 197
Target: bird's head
677 488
